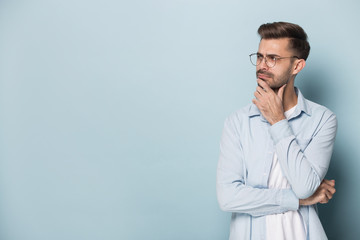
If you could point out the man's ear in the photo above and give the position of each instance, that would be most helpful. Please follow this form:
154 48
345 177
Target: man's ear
299 65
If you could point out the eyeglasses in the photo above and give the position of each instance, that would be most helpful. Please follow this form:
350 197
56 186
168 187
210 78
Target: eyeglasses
270 60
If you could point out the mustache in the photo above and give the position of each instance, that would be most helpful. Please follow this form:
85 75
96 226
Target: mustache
264 73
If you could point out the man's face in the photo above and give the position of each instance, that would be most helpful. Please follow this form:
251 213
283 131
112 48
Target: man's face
281 73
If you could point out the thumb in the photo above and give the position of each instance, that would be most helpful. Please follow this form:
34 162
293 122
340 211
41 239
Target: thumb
280 93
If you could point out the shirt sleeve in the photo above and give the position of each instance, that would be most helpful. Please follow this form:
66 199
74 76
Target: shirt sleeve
304 162
233 193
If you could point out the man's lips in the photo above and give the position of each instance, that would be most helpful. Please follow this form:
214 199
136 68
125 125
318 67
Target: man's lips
260 75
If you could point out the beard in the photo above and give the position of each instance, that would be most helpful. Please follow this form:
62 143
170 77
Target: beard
277 81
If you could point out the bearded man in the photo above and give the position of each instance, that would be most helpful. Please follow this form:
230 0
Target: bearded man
275 152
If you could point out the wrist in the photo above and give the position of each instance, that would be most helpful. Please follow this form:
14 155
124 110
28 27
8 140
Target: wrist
307 201
277 120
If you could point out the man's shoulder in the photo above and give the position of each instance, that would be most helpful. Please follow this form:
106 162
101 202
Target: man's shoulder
318 109
240 114
320 115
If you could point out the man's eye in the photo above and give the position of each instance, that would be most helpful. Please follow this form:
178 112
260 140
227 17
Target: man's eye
272 58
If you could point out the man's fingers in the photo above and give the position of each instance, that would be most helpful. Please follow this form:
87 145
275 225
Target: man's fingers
324 196
325 200
329 195
329 185
329 182
331 189
257 95
326 191
260 90
264 85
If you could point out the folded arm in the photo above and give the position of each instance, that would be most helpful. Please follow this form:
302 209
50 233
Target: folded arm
233 193
305 163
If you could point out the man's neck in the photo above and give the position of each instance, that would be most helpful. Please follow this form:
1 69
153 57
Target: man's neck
290 98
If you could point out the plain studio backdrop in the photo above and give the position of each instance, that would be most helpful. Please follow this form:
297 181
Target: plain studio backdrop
111 112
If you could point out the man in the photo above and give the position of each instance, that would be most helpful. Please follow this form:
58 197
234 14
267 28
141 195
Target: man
275 152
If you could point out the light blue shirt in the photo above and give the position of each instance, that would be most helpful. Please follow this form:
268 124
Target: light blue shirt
304 145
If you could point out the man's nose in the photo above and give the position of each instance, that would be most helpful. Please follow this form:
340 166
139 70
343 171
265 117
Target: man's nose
263 64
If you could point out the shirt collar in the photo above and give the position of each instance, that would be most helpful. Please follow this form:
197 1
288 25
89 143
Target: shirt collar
302 106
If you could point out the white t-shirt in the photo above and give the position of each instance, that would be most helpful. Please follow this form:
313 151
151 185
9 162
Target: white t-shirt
288 225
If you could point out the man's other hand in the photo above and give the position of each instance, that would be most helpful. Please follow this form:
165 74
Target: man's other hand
323 194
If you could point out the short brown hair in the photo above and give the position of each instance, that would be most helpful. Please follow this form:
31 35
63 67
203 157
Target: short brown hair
298 38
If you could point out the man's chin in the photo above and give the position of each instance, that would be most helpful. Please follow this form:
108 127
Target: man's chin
275 88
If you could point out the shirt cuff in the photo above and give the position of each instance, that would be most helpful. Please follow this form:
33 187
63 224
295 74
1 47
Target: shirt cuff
289 201
280 130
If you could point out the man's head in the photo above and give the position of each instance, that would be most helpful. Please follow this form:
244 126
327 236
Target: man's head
282 52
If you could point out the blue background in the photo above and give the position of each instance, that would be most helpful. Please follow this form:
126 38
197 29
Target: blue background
111 112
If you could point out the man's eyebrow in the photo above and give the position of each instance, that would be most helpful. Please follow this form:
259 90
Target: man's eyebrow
273 55
270 55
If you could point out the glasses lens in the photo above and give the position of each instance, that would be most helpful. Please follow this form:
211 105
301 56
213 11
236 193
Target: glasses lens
254 59
257 59
270 61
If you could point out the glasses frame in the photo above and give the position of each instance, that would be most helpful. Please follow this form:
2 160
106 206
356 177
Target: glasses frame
266 59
